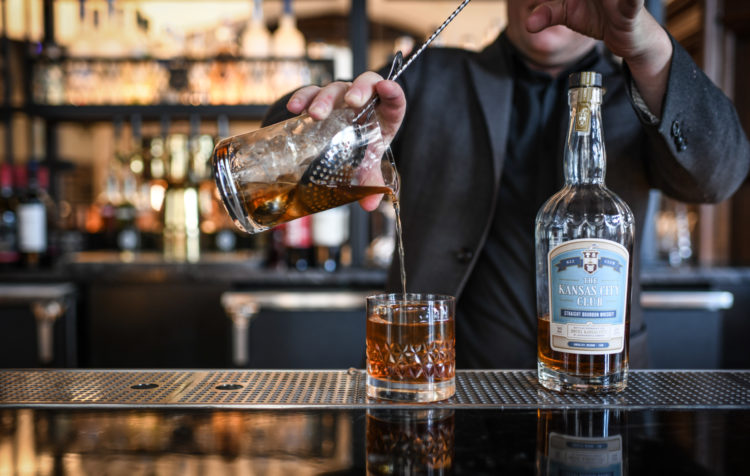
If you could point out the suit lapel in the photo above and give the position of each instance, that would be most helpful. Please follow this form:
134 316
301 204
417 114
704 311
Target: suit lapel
490 74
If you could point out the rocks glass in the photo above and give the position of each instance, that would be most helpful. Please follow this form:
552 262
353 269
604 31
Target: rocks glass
411 344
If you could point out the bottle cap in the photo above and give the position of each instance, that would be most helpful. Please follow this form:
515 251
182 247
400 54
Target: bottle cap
585 79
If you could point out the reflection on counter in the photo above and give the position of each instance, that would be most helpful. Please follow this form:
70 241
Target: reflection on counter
410 442
407 441
581 442
162 443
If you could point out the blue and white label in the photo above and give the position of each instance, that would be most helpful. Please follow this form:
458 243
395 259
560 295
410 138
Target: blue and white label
584 456
588 281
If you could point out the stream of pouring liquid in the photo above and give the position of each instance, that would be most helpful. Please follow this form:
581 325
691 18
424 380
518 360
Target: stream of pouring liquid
400 241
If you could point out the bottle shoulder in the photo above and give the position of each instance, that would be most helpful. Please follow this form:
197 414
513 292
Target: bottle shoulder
585 212
584 200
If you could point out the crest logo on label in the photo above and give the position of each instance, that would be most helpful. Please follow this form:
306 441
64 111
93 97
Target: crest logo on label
590 260
583 119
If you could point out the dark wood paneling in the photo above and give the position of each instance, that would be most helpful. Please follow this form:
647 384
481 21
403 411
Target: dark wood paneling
741 201
737 16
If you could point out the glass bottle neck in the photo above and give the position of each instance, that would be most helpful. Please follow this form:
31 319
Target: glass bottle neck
585 158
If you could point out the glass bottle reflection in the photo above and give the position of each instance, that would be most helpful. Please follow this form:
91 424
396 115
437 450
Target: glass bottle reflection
581 442
410 442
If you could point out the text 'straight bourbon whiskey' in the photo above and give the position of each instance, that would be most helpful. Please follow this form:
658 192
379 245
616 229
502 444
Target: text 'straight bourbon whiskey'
584 247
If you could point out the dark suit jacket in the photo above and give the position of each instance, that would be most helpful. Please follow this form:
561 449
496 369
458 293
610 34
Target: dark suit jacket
451 146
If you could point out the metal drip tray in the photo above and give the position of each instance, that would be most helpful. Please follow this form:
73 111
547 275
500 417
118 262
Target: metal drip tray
346 389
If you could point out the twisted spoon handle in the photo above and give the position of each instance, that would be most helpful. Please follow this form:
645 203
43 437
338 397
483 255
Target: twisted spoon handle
429 40
394 76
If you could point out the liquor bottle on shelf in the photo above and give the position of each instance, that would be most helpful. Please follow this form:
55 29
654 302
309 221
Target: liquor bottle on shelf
584 248
256 44
297 240
126 214
32 218
112 42
157 171
136 40
52 213
84 45
199 178
287 40
288 47
330 234
152 190
9 256
181 215
127 211
256 41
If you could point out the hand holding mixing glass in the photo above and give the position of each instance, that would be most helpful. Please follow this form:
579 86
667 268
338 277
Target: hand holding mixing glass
302 166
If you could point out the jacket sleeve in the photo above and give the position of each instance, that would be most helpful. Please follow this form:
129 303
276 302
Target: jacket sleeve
699 151
277 111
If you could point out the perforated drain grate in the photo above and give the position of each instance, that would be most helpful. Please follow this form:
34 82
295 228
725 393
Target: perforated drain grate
346 389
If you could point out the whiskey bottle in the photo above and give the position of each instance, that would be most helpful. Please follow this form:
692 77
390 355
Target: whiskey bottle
32 219
584 249
9 255
298 245
330 234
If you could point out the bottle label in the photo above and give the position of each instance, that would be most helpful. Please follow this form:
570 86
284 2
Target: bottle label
298 233
331 227
32 228
588 281
583 112
580 455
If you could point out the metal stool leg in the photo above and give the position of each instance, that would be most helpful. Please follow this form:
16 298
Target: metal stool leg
46 313
241 310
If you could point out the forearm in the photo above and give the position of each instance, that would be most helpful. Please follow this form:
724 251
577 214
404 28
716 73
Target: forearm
700 152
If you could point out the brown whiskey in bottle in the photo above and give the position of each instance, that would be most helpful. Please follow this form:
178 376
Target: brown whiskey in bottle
584 247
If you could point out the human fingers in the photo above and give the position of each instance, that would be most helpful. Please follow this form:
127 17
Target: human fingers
372 176
630 8
362 89
301 99
327 98
391 109
545 15
320 103
370 202
588 18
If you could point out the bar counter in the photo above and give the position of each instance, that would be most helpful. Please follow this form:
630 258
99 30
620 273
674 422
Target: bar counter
320 422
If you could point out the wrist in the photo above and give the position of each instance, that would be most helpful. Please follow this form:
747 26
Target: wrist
652 59
650 69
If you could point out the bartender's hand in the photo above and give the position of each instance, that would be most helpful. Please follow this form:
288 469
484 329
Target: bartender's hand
319 102
628 30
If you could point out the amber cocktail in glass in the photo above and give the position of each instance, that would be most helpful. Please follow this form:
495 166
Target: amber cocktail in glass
411 345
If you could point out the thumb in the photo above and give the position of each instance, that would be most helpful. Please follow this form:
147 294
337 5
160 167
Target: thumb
545 15
391 109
